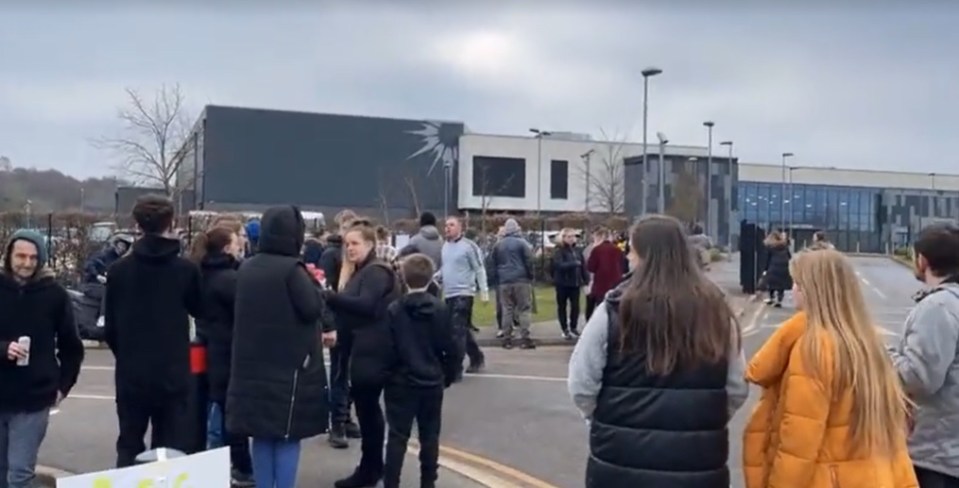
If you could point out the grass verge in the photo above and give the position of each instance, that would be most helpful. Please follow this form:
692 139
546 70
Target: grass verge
484 314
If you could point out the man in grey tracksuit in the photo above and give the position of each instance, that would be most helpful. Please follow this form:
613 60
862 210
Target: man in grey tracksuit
927 358
427 241
461 275
512 261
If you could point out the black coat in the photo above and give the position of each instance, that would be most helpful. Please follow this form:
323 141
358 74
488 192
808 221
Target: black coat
360 310
569 267
150 296
278 387
777 268
332 260
657 431
423 342
216 329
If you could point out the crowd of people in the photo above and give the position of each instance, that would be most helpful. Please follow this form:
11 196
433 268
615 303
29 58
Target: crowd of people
659 371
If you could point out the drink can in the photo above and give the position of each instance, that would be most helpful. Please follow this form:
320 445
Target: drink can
25 344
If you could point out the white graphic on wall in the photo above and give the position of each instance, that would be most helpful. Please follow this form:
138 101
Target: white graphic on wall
440 139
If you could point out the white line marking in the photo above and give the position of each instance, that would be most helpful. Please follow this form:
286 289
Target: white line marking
876 290
97 368
91 397
517 377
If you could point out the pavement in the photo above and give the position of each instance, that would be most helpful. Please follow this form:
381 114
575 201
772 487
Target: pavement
512 425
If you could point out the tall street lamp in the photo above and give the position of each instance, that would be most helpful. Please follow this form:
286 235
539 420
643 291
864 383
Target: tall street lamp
647 73
661 174
540 134
709 177
586 160
932 177
782 192
729 235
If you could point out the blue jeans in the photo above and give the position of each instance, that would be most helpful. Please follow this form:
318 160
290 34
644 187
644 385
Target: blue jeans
218 436
20 437
340 383
275 463
214 426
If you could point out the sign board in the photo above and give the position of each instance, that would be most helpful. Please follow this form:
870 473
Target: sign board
210 469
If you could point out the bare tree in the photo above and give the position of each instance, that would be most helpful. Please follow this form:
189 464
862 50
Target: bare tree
687 195
605 179
383 197
414 195
151 147
487 193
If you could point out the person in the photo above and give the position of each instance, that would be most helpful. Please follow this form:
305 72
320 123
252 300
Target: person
427 241
820 241
606 265
658 371
700 243
776 276
95 269
252 235
33 378
366 288
424 360
927 360
276 392
569 276
218 252
833 412
342 426
587 251
384 248
461 275
151 295
313 248
512 262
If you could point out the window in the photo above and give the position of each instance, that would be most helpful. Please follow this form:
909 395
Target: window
558 179
499 177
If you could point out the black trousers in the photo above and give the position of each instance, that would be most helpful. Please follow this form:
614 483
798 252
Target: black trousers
932 479
340 383
403 406
777 295
590 306
369 414
164 416
567 295
461 318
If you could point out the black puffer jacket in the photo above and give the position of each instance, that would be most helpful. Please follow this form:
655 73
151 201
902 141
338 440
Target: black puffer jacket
360 310
777 267
216 330
657 431
569 267
278 387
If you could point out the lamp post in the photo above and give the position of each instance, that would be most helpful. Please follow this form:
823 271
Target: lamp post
447 176
782 192
932 178
792 208
586 160
729 233
540 134
647 73
709 177
661 200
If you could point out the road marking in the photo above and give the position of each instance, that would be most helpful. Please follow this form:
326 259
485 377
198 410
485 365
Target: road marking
755 324
96 368
91 397
517 377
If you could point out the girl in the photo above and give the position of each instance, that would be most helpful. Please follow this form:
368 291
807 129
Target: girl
367 286
833 413
658 371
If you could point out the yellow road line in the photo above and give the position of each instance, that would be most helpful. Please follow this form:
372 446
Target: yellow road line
485 471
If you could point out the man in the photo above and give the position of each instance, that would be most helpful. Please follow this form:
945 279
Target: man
427 241
313 248
33 377
342 427
607 264
700 244
569 276
95 269
461 276
928 361
150 297
513 264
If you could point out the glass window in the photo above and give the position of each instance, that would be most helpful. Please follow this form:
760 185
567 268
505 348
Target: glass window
558 179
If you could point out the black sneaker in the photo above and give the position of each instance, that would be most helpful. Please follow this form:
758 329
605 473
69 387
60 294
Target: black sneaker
574 333
352 430
500 334
778 305
507 343
337 437
359 479
476 368
527 344
241 480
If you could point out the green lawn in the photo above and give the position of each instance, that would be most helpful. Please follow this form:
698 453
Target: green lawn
484 314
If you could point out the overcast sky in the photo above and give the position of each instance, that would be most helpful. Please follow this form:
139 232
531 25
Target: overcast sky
849 88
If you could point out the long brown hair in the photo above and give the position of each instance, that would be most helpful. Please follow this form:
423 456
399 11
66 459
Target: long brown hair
670 311
211 241
836 311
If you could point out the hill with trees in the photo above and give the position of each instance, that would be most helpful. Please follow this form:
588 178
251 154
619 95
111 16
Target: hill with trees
52 191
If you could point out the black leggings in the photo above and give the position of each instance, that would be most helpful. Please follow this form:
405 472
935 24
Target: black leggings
932 479
777 295
369 414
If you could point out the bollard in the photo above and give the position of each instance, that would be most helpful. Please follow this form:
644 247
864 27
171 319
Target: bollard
195 428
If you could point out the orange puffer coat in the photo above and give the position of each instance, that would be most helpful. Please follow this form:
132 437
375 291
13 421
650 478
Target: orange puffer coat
799 434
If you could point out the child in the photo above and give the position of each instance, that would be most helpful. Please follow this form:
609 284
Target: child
424 366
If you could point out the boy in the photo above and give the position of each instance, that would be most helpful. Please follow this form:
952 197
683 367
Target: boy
425 364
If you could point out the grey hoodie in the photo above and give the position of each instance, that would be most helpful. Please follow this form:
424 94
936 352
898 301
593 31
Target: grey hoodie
427 241
928 364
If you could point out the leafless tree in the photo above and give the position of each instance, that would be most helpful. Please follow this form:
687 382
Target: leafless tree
151 147
605 179
414 195
383 197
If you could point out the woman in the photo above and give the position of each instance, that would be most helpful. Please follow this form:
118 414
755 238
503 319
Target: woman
367 286
776 275
820 241
218 252
832 413
658 370
277 391
569 275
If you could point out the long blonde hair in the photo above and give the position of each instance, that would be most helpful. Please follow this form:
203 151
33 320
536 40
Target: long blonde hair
835 308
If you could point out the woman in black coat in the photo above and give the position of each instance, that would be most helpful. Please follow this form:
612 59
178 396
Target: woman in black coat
218 252
776 277
278 392
367 286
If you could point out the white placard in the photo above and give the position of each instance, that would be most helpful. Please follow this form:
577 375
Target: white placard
209 469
